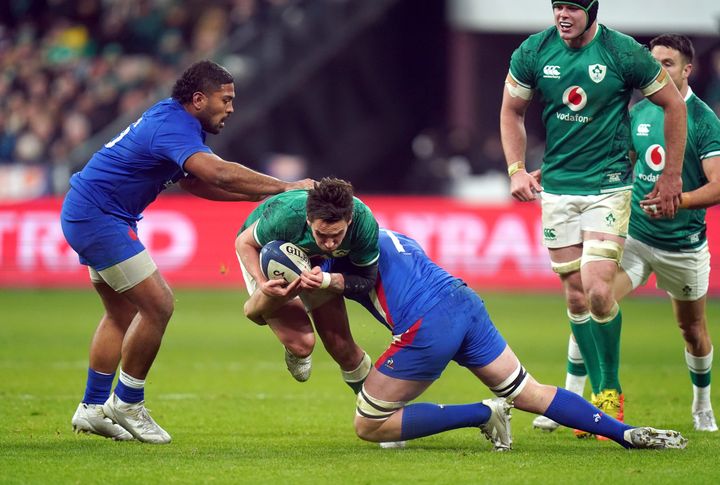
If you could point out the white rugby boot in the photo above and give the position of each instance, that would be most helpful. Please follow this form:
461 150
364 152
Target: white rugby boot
90 418
497 427
704 420
134 417
299 367
388 445
656 439
545 424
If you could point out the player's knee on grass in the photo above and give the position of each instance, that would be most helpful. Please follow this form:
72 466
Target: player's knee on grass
370 415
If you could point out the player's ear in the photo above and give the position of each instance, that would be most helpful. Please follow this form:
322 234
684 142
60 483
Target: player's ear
199 100
687 70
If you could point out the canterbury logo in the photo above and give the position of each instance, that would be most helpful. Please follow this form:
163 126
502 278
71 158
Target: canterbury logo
552 72
643 129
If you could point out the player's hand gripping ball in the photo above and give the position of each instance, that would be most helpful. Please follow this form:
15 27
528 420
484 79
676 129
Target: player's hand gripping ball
283 260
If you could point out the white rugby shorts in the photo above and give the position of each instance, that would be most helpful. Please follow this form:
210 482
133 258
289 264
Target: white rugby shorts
684 275
566 217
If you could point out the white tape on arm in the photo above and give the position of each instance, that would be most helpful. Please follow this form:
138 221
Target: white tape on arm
327 278
518 90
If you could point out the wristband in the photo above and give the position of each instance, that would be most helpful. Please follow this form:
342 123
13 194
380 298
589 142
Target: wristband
515 167
684 200
326 280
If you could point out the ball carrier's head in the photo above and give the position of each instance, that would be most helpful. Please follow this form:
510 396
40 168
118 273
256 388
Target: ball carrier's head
590 7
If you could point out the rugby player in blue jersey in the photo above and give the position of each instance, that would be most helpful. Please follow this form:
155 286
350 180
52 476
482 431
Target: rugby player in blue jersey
99 220
435 318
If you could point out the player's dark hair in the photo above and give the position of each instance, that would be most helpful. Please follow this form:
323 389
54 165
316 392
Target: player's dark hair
679 42
204 76
331 200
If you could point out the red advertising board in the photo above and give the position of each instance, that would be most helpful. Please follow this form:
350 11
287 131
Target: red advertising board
489 246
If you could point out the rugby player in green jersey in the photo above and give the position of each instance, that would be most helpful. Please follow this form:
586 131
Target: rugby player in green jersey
676 250
325 222
585 74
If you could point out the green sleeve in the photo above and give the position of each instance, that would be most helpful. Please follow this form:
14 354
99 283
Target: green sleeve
639 67
365 238
522 63
708 129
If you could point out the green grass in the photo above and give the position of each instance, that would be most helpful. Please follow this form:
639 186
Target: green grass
219 386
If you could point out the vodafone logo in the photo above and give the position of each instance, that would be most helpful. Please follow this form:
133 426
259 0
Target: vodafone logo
575 98
655 157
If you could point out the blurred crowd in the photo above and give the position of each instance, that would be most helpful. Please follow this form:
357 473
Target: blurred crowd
69 67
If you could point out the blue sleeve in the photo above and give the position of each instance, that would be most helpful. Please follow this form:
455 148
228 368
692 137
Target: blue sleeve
178 140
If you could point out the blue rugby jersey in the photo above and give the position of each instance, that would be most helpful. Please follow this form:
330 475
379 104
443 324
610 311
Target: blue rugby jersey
129 172
409 284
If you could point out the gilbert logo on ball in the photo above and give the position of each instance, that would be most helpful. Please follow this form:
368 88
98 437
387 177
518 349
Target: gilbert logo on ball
283 260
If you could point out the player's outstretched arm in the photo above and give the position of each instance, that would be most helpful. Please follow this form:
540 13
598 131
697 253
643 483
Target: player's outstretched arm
669 185
237 179
202 189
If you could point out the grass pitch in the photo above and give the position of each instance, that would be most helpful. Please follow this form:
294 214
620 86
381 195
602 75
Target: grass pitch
219 386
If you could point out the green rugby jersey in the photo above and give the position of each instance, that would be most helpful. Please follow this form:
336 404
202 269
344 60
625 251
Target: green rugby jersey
687 230
585 93
283 217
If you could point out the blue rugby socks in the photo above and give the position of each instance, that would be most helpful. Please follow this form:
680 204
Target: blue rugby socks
425 419
130 389
97 388
573 411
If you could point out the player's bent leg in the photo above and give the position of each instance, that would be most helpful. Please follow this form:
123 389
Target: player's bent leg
577 308
382 416
105 352
380 403
599 268
106 345
573 411
294 330
333 327
507 378
692 321
154 301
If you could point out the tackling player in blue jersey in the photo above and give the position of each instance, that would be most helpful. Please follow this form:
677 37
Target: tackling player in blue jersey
99 220
436 318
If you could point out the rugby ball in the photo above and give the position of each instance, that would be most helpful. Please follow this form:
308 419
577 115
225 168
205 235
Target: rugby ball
283 260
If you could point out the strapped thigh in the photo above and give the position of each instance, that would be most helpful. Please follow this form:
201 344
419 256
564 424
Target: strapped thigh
513 385
373 408
597 250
